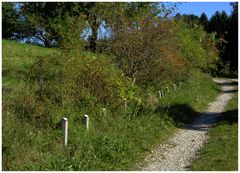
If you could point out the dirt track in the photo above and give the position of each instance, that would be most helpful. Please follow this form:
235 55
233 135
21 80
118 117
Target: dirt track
176 153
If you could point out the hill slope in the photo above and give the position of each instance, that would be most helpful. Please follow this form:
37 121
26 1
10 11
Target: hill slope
40 86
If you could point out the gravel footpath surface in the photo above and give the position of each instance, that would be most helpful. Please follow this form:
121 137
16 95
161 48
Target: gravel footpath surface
176 153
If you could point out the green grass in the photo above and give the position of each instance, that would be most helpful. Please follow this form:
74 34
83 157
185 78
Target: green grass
73 86
220 153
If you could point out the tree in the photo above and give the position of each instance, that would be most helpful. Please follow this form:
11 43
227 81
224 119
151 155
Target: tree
191 19
204 21
39 21
232 38
226 28
218 23
9 19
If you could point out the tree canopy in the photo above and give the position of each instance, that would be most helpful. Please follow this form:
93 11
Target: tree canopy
50 23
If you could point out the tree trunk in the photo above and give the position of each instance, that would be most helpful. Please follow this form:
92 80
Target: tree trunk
93 40
47 43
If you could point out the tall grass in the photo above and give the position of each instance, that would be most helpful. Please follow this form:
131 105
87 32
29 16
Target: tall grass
41 86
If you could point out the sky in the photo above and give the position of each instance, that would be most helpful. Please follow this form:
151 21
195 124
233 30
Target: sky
209 8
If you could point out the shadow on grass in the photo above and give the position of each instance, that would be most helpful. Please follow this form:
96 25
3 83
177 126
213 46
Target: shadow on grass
228 75
184 116
233 83
230 91
229 117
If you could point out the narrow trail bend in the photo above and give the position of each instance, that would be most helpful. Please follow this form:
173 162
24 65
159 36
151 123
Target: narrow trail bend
176 153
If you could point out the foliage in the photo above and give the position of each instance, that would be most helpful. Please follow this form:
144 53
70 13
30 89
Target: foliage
9 20
39 90
40 86
225 29
198 47
47 23
203 20
231 50
148 55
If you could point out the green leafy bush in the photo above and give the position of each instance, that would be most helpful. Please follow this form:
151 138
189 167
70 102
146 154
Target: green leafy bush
197 46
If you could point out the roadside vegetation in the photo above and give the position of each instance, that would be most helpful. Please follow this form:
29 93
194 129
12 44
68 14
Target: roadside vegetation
123 73
220 153
32 136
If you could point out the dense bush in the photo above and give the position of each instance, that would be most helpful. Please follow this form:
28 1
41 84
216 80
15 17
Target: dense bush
197 46
148 55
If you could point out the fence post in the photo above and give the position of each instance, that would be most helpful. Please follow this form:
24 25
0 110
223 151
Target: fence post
41 83
168 90
180 84
104 112
65 130
86 121
175 87
160 94
125 104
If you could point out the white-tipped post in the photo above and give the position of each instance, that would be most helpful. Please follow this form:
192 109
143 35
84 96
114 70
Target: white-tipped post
65 130
125 104
86 121
104 112
168 90
174 87
160 94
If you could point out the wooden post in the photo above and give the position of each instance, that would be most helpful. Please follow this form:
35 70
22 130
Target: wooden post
125 104
134 80
104 112
160 94
65 130
174 87
180 84
168 90
86 121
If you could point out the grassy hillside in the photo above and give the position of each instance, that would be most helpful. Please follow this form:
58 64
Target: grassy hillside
220 153
40 86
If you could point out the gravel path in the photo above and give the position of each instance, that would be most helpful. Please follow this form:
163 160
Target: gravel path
176 154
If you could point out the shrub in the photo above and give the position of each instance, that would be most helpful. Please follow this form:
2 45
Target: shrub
148 54
197 46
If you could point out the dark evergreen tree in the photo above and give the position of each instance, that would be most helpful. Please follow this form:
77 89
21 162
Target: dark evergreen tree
218 23
178 16
226 28
204 21
232 38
